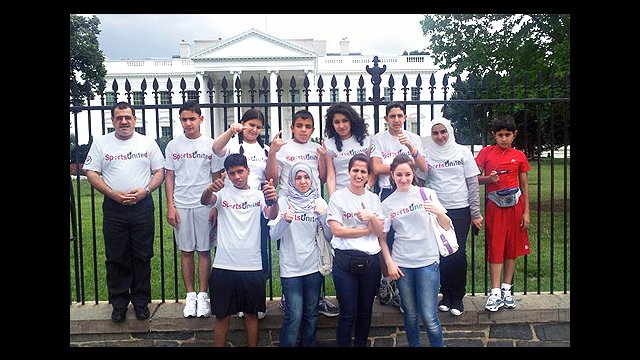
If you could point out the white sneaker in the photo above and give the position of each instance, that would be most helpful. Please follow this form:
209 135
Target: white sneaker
507 299
240 314
494 302
203 305
190 305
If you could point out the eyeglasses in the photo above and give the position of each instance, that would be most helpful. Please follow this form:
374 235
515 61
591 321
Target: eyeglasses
125 117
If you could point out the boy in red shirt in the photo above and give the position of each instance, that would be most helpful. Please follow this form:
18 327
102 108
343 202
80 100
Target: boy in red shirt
504 170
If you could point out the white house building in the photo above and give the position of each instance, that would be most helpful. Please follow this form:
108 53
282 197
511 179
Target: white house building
259 55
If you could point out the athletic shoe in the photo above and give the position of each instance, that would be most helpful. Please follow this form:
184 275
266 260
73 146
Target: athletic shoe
327 308
494 302
203 305
507 299
444 303
190 305
456 307
385 291
395 299
240 314
281 303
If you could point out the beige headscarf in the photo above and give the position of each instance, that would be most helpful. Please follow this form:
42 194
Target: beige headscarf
447 151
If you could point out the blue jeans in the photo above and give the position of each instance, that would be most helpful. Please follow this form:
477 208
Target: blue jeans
419 298
356 293
301 309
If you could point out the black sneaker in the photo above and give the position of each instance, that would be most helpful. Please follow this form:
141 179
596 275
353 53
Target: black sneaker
119 314
444 304
327 308
456 307
142 312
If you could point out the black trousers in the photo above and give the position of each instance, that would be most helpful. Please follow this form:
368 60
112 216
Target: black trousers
453 268
128 238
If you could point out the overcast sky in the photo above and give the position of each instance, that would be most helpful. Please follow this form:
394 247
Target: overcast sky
157 35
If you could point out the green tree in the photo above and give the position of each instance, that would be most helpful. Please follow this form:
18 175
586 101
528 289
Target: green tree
505 56
506 44
86 59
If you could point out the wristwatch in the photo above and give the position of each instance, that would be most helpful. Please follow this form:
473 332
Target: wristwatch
147 191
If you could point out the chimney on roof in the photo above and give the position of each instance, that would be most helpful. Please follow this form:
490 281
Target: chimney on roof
185 49
344 46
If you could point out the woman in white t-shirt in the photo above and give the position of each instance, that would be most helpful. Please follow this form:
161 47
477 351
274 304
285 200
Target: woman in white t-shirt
347 136
453 175
300 209
413 262
356 267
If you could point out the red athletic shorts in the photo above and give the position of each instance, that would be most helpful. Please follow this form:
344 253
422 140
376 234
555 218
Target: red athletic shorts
505 237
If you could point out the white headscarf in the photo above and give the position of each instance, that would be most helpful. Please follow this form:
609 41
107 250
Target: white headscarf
447 151
302 202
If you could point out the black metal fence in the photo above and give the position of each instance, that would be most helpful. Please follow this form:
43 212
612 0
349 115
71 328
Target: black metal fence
541 107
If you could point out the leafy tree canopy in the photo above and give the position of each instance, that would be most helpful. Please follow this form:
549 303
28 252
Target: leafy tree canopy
86 59
506 44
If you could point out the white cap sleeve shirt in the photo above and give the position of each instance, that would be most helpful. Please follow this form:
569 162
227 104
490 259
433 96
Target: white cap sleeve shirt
415 243
124 164
448 178
239 212
190 159
256 159
298 250
341 158
292 152
386 147
343 205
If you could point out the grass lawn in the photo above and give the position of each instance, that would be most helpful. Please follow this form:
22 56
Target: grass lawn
541 271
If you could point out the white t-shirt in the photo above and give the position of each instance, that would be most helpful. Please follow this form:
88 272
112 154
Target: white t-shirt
256 159
124 164
292 152
415 242
239 212
191 161
298 250
343 204
448 178
341 158
386 147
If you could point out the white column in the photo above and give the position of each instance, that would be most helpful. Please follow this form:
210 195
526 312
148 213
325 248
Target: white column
202 99
313 96
236 74
273 97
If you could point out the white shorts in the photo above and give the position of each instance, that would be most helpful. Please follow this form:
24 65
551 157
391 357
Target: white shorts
192 232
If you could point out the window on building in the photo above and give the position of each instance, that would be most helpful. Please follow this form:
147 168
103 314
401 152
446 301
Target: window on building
413 126
138 98
334 95
387 94
193 95
109 99
140 130
110 130
165 97
362 94
166 131
414 93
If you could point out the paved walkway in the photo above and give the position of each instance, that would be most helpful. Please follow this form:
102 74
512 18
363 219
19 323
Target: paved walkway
538 320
